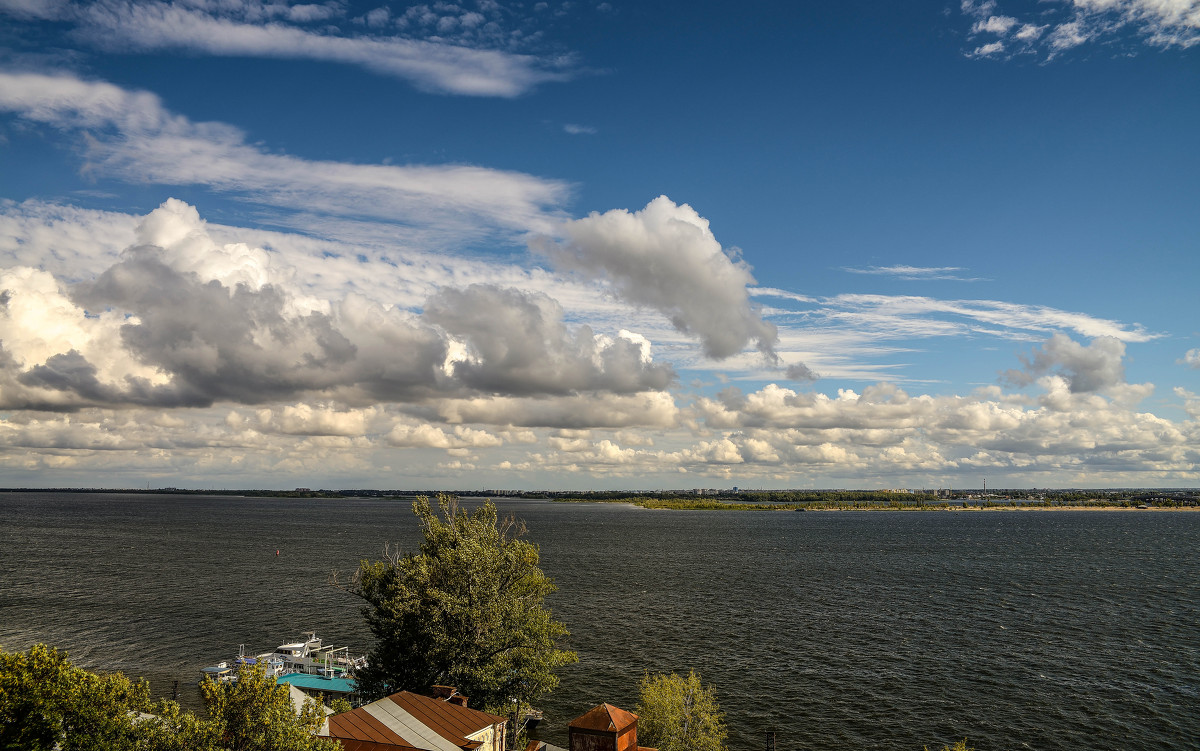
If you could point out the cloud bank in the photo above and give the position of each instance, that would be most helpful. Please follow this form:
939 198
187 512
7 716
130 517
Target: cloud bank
181 321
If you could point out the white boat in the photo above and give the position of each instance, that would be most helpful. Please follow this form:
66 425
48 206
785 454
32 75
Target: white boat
306 656
221 673
310 656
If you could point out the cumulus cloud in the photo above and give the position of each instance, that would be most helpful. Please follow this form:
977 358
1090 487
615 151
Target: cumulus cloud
798 371
517 343
1073 23
67 241
885 432
1191 358
310 419
431 436
994 25
666 258
276 30
130 135
656 409
1086 368
180 320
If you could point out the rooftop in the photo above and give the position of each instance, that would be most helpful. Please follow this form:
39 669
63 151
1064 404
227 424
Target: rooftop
311 682
408 720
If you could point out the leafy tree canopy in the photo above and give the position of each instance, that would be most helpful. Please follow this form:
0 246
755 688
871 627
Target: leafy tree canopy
257 714
45 702
468 610
679 714
48 703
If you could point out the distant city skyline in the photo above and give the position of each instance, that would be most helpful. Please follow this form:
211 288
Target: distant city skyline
599 245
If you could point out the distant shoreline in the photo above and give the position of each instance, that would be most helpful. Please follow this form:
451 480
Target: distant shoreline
676 504
1028 507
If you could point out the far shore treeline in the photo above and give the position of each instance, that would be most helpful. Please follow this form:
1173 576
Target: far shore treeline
742 500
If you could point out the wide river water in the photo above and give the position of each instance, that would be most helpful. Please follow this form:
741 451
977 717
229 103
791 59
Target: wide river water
836 630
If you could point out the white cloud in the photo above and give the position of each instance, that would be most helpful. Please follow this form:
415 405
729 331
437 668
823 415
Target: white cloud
910 273
885 432
133 137
69 242
180 320
780 293
798 371
987 50
647 410
994 25
1191 358
1074 23
314 420
665 257
516 343
1029 32
1086 368
430 436
579 130
905 312
276 30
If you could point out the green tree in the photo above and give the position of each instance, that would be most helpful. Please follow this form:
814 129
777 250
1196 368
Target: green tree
468 610
48 703
256 714
679 714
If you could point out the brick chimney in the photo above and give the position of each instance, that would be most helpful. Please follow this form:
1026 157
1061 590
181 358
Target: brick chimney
449 694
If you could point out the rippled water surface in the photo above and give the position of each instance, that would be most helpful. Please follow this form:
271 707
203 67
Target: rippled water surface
835 630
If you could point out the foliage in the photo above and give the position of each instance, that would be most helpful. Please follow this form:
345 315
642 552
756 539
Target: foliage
959 746
679 714
340 704
467 611
48 703
256 714
45 703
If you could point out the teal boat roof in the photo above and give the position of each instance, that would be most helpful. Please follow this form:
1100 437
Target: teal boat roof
312 682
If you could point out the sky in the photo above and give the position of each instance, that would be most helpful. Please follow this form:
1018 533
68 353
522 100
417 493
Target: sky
599 245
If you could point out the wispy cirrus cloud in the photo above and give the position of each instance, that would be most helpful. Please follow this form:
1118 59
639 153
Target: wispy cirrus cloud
914 273
1067 24
132 136
454 54
1014 320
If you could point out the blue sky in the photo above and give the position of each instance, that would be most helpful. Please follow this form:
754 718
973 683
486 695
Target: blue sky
651 245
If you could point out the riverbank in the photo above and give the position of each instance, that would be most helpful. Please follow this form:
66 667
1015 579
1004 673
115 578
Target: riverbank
676 504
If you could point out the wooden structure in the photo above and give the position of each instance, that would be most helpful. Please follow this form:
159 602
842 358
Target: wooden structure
605 728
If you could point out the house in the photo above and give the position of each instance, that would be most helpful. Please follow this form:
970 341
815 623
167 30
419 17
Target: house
410 722
604 728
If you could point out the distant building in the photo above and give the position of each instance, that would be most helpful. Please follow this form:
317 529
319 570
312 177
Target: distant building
605 728
410 722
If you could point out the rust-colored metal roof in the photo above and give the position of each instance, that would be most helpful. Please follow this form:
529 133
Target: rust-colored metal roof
349 744
411 721
605 718
450 720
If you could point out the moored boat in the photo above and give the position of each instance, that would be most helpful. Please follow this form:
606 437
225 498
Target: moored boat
307 656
